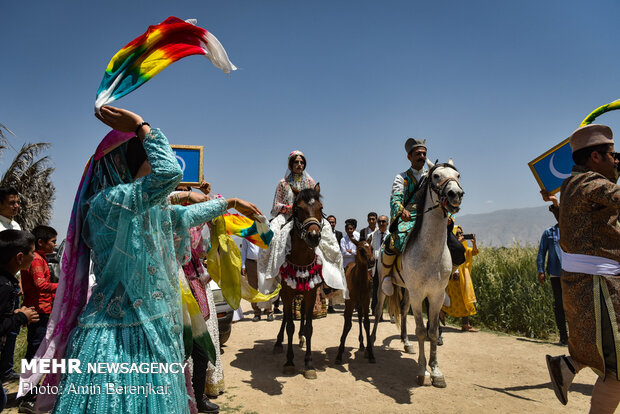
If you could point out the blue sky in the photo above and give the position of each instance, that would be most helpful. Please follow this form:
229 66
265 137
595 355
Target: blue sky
492 84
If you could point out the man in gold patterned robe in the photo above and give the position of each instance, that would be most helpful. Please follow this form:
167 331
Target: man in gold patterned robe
590 242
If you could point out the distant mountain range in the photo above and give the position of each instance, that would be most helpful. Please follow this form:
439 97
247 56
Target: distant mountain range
507 227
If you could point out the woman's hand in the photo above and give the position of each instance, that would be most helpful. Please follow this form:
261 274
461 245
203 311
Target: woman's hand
205 187
121 119
195 197
286 209
205 279
244 207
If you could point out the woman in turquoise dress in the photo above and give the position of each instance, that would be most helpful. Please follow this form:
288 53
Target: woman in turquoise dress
134 314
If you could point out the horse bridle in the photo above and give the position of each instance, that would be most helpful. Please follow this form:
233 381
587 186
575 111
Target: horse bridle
439 189
302 227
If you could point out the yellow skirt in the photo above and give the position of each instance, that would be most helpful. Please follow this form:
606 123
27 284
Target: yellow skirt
460 290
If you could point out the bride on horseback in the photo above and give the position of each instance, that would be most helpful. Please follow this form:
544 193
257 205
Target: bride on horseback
270 260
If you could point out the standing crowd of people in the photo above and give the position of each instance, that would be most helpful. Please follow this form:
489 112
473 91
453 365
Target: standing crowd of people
460 295
25 275
145 238
143 242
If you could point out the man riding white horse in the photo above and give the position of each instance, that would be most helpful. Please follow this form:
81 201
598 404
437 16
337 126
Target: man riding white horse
402 209
421 202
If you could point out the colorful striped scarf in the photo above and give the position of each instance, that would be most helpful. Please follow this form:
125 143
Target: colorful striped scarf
148 54
257 232
224 267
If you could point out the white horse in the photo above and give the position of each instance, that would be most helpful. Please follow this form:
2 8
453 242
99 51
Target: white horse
426 267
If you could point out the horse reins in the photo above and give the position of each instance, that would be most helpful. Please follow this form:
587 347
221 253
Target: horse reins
438 189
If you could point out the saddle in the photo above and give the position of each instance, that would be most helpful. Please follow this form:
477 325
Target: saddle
397 277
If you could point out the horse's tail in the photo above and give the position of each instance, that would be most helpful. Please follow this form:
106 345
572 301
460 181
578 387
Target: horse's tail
393 305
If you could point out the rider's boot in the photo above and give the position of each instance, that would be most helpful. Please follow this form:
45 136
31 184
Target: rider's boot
388 257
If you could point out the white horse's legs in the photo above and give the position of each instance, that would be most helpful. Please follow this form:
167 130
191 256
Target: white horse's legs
420 331
403 323
434 306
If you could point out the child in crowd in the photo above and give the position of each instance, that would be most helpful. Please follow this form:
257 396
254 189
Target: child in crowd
38 289
16 253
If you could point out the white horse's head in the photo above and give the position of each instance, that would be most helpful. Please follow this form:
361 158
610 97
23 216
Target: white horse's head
444 182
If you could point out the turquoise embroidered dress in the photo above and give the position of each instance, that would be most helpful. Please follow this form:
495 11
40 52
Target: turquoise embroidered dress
404 187
134 313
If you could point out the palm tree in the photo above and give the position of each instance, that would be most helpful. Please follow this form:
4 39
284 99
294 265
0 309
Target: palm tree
3 131
30 176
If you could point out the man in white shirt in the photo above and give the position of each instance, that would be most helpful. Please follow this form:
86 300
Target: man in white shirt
348 250
347 247
376 240
249 255
9 207
372 226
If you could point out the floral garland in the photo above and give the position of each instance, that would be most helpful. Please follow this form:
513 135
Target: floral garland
303 278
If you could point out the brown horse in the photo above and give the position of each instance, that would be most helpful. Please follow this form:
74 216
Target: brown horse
358 282
301 274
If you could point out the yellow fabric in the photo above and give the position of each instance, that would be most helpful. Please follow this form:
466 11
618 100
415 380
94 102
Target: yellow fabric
460 288
252 295
224 263
191 311
224 266
194 326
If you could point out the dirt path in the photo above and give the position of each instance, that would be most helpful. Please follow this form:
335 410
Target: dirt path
485 372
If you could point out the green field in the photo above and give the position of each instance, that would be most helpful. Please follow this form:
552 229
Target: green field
510 299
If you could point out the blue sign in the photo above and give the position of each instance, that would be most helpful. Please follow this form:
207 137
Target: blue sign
190 159
553 167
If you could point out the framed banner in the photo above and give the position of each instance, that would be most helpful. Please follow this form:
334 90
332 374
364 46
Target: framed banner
553 167
190 158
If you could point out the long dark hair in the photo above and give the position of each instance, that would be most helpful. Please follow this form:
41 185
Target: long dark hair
136 155
292 160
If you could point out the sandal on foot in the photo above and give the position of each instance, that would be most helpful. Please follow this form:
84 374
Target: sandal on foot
469 328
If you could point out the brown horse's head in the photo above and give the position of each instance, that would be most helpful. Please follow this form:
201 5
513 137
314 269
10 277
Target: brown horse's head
364 253
308 215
